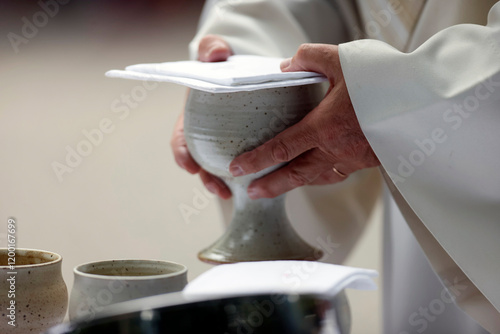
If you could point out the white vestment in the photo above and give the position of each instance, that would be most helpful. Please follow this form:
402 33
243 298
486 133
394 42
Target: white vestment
428 101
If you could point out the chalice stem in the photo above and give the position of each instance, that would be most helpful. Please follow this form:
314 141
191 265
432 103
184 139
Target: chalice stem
259 230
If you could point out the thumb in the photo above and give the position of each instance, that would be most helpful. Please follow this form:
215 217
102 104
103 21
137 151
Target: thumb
319 58
213 48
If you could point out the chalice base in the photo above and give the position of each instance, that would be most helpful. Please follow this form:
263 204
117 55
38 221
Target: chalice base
259 231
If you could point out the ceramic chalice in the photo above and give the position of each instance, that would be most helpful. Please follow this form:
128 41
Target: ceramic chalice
219 127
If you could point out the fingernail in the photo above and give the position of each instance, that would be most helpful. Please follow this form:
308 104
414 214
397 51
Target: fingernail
212 49
211 187
217 52
207 55
253 193
285 64
236 170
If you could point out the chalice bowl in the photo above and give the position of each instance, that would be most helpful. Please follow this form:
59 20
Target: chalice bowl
220 126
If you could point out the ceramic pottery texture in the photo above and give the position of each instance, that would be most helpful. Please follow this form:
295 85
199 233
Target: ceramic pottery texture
99 284
40 296
219 127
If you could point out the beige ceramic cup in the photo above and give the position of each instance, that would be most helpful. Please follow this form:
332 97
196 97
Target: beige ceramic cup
99 284
33 296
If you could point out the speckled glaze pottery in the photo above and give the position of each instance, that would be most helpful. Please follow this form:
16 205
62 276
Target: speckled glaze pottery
39 293
99 284
219 127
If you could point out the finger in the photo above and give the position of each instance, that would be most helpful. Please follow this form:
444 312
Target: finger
213 48
287 145
301 171
214 184
179 147
329 177
320 58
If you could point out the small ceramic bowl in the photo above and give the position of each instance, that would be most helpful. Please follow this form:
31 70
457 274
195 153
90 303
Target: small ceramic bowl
99 284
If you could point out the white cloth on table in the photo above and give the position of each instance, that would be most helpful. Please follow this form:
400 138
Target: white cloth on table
277 277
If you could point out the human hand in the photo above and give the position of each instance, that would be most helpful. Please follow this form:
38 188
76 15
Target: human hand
212 48
323 148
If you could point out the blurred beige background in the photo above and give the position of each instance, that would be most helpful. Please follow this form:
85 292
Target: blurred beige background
122 200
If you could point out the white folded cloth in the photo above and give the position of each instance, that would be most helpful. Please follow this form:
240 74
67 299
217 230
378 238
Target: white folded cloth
238 73
276 277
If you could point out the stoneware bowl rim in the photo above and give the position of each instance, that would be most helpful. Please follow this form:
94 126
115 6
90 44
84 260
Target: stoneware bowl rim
58 258
77 270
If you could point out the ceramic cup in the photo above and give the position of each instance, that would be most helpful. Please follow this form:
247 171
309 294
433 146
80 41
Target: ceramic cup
99 284
33 296
219 127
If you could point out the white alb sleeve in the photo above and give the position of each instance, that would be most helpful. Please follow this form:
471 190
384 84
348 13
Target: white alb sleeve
432 117
274 28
